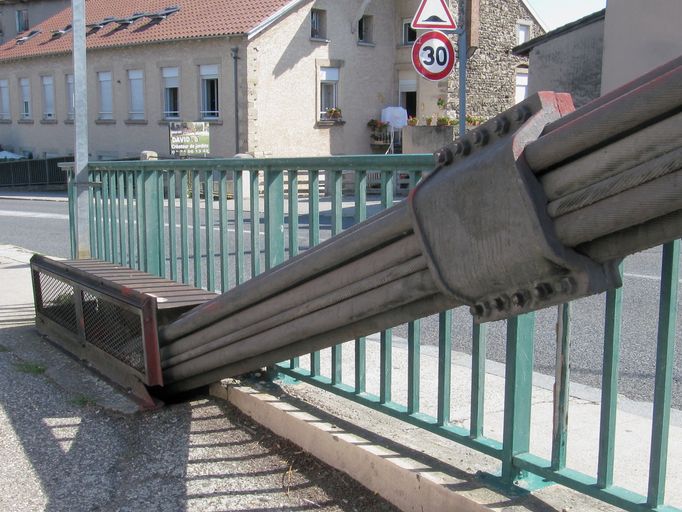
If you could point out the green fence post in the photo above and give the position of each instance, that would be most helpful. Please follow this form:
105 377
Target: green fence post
665 360
196 225
208 222
609 386
517 395
444 366
238 227
337 227
255 223
274 218
561 387
478 353
152 222
184 226
223 223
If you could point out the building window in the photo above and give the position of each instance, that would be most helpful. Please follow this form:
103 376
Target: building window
522 32
409 34
136 88
209 91
366 29
329 91
318 24
521 84
25 87
48 97
171 93
22 20
4 99
106 100
70 98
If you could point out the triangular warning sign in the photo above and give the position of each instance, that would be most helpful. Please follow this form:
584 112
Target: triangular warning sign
433 14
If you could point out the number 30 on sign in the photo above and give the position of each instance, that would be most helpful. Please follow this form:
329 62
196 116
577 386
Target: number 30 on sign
433 55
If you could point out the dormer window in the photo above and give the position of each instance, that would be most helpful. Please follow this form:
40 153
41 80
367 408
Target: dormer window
22 20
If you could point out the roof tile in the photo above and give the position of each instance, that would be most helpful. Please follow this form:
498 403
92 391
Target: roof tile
194 19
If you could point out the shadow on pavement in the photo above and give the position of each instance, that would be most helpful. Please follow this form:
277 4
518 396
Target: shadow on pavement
61 451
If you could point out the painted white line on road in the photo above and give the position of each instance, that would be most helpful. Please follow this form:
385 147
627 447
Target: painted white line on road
644 276
33 215
215 228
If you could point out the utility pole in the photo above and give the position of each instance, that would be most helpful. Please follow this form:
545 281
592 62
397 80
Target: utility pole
81 122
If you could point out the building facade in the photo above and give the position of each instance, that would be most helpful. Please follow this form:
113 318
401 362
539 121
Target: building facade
308 75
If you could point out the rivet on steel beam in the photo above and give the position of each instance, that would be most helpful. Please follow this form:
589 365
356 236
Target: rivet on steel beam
501 125
542 291
520 298
480 137
521 114
444 156
502 303
566 285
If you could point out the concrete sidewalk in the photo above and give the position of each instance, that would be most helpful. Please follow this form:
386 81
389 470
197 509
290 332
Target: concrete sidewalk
35 195
72 442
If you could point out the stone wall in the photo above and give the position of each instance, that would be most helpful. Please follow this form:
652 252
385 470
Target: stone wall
491 69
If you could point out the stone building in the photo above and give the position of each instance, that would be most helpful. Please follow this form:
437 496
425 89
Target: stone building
496 78
568 59
309 74
600 52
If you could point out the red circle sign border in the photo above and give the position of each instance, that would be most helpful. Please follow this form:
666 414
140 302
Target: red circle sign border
416 47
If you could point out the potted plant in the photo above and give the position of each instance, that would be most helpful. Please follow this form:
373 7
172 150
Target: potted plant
334 113
442 121
412 121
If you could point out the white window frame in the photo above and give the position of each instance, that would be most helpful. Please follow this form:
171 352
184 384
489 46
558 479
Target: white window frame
318 24
47 83
70 97
521 84
524 31
366 29
329 89
25 92
106 95
407 30
22 20
209 86
4 99
136 94
170 77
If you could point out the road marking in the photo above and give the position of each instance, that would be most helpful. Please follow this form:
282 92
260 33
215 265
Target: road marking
33 215
644 276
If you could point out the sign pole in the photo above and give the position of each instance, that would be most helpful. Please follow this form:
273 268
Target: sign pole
463 51
81 122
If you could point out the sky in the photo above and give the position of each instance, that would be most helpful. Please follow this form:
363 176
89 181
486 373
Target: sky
556 13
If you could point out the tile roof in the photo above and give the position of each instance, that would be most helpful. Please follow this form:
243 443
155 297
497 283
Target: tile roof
194 19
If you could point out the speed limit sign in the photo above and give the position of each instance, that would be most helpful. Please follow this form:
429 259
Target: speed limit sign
433 55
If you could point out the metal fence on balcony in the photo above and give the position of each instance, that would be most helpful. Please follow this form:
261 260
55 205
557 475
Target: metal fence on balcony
144 215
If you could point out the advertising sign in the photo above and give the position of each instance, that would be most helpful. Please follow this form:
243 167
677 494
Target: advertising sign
189 139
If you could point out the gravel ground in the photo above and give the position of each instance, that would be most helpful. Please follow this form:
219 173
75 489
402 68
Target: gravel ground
62 451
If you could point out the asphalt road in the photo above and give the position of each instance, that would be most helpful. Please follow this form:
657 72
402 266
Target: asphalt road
43 227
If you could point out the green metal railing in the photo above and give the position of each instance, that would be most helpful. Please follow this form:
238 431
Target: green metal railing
189 220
